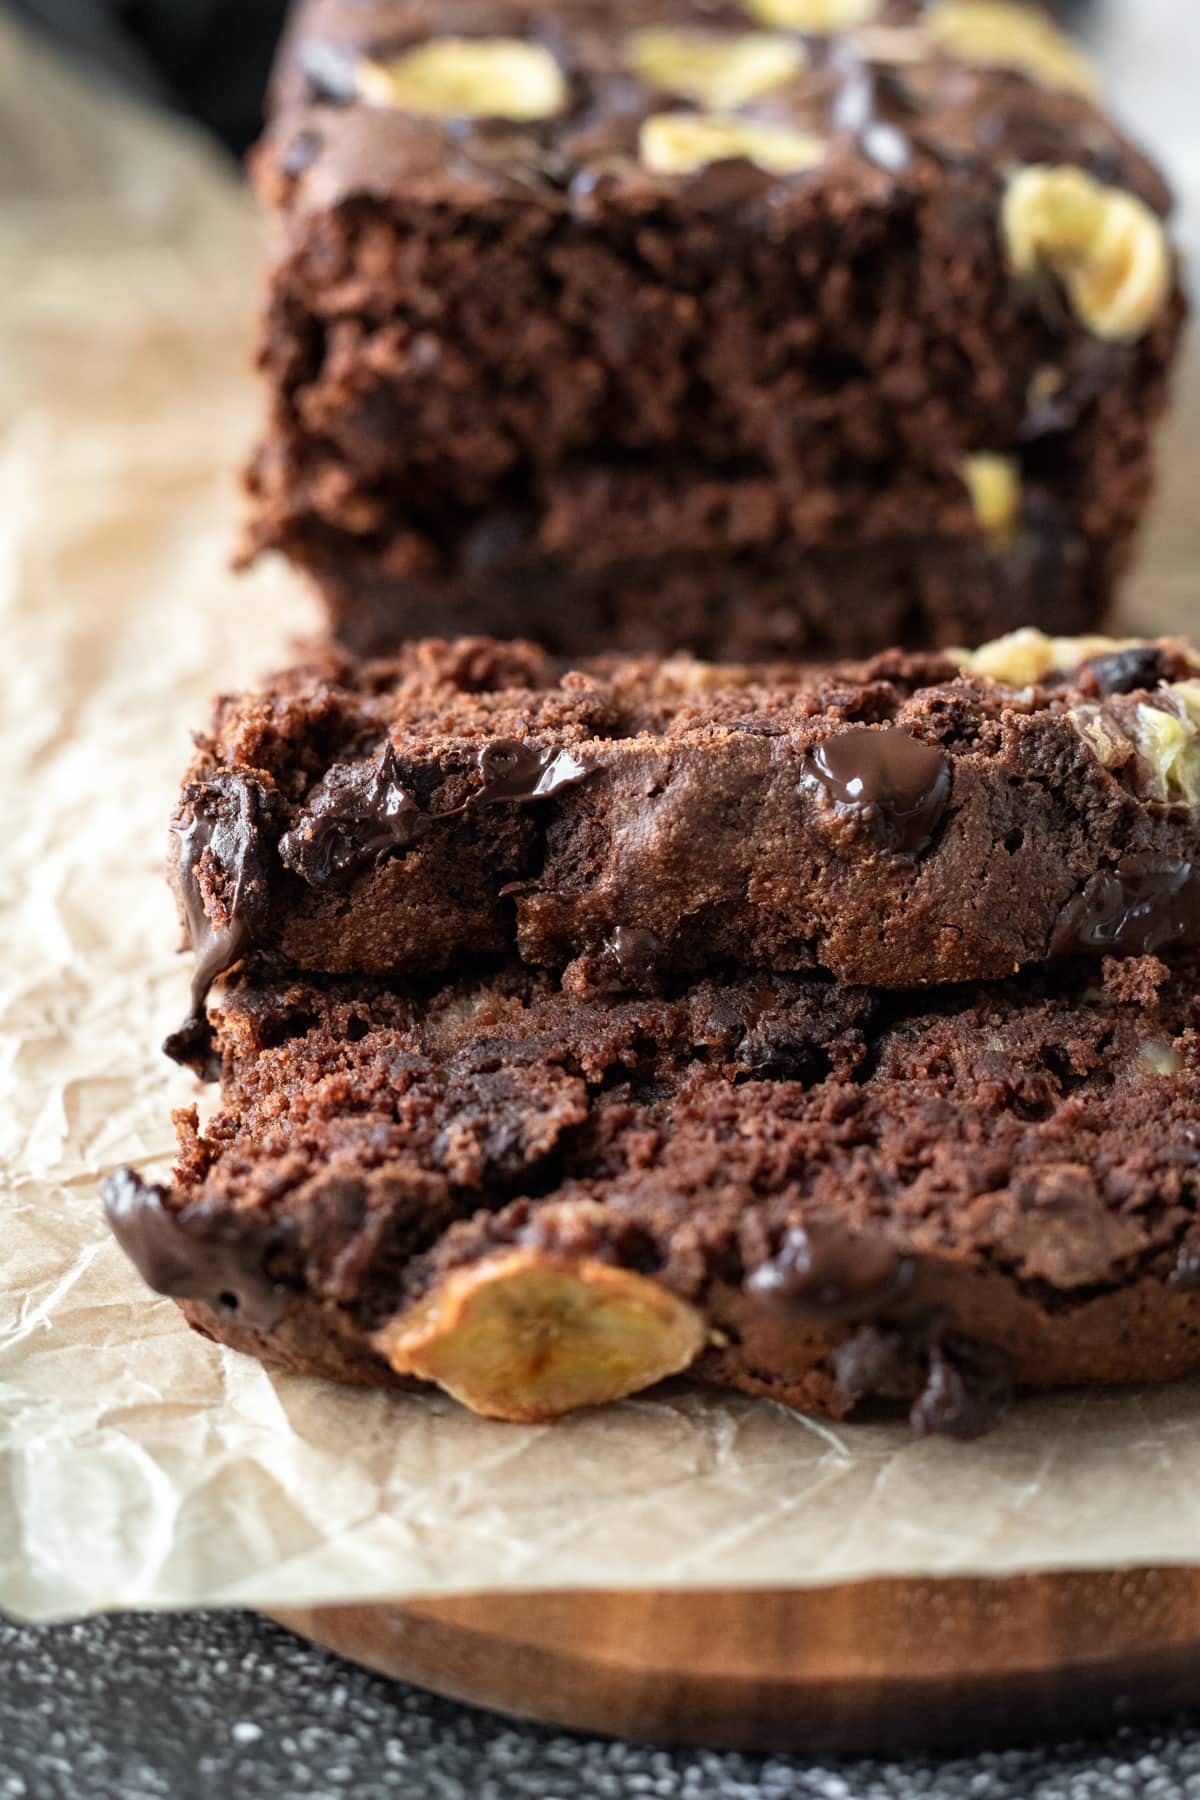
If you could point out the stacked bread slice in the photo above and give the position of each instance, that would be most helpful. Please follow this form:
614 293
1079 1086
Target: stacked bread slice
830 1033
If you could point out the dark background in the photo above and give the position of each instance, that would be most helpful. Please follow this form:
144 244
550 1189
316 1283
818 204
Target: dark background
209 58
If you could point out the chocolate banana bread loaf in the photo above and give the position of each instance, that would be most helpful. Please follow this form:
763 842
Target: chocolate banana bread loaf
755 327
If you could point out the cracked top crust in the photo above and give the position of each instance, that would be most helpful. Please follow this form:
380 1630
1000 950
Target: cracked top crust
630 823
555 284
522 101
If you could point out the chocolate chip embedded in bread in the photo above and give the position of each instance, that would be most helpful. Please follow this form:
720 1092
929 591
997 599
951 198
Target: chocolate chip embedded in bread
888 778
1144 905
823 1271
1126 671
509 770
357 812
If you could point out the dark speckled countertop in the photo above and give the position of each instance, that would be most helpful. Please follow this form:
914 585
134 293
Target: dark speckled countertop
133 1708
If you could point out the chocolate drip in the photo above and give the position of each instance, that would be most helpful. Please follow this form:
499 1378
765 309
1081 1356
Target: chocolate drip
887 777
637 954
510 770
958 1388
1146 904
225 1268
826 1273
225 831
356 814
968 1389
877 1363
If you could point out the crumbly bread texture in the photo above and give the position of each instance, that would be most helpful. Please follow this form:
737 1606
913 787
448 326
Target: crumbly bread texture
908 821
824 1195
753 328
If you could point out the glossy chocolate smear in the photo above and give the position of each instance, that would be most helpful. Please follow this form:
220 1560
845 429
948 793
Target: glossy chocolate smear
226 1271
1146 904
356 814
637 954
823 1272
226 829
511 770
887 777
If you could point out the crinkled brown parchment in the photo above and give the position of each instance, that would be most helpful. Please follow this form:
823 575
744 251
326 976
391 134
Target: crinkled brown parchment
139 1464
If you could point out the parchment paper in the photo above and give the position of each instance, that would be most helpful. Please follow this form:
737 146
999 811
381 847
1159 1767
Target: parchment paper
139 1464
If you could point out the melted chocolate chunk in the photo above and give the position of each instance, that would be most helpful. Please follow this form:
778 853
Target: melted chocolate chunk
1145 905
730 181
888 777
1125 671
226 832
510 770
825 1273
961 1388
224 1268
356 814
637 954
968 1389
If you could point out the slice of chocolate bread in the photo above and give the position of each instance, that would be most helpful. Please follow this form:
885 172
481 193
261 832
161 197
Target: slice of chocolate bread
902 822
821 1194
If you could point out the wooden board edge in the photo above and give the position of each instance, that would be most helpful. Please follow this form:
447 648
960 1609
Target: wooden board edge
862 1667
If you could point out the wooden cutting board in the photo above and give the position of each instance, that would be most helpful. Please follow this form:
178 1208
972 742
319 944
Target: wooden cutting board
873 1666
